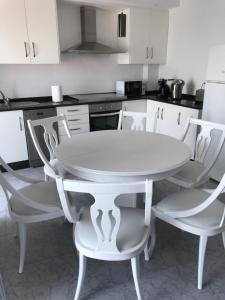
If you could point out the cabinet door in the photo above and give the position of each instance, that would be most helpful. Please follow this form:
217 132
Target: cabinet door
12 135
182 115
154 106
158 37
43 31
135 106
139 33
14 48
171 120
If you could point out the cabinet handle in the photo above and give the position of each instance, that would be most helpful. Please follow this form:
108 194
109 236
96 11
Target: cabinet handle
34 52
74 120
178 118
26 46
21 123
72 110
74 129
162 111
152 53
158 112
147 53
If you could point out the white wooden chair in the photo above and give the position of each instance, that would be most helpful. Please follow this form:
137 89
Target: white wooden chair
106 231
196 172
34 203
140 121
51 140
196 212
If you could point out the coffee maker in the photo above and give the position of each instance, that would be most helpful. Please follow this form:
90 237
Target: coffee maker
164 89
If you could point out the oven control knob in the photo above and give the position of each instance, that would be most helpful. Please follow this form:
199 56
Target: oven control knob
100 107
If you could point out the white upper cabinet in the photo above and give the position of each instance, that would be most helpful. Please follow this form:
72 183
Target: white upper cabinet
158 28
13 33
146 37
43 31
29 32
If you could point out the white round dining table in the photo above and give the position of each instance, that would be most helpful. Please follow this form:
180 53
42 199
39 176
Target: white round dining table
120 155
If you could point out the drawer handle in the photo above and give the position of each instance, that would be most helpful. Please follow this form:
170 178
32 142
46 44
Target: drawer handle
73 120
71 110
74 129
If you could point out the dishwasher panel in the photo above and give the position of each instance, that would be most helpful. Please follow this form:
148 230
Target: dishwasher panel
37 114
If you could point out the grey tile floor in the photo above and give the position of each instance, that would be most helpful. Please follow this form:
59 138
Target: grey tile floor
51 266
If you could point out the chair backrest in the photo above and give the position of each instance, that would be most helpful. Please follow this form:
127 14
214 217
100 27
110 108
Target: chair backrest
140 121
9 190
105 214
50 135
201 207
204 142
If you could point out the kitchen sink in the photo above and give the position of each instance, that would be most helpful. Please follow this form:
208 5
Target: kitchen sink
19 104
23 104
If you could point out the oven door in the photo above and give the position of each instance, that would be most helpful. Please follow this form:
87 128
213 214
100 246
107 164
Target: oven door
104 121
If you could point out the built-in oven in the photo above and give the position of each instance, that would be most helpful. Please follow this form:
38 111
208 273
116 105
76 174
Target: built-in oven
104 116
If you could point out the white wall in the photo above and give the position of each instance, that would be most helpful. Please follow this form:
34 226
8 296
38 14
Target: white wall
76 73
194 27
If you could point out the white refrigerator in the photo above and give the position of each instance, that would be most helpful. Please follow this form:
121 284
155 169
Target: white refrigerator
214 100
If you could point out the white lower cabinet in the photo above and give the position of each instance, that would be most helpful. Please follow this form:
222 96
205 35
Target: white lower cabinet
13 146
135 106
78 120
171 120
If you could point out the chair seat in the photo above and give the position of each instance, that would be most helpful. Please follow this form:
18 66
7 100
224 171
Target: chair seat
188 174
132 230
43 192
187 199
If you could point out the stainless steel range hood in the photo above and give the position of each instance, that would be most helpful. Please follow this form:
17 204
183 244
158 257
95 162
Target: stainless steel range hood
89 35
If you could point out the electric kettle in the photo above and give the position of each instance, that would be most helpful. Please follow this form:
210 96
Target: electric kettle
176 88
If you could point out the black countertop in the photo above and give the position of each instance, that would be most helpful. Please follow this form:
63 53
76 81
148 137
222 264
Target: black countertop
46 102
186 101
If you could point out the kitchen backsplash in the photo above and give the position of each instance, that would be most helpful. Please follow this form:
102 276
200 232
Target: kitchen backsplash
76 74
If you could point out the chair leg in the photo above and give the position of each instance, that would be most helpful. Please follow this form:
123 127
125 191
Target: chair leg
82 271
135 264
22 230
149 250
201 259
223 237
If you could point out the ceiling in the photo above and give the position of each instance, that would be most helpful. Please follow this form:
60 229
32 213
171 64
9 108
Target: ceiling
157 4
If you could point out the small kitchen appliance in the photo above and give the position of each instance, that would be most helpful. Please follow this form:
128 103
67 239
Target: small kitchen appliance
164 89
129 88
199 96
176 88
